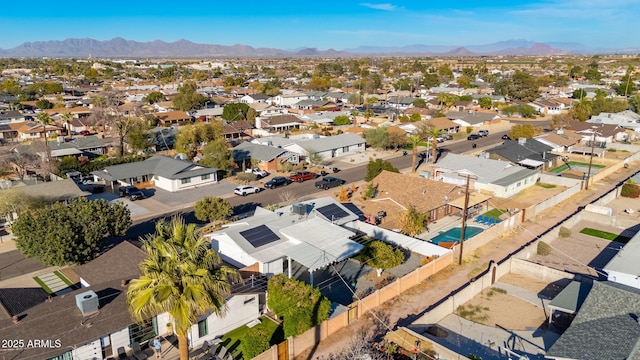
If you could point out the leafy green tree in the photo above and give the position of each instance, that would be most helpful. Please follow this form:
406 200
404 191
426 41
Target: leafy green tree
217 154
17 201
526 131
377 138
299 305
430 80
523 87
575 71
402 84
444 73
579 94
69 234
527 111
190 138
419 103
138 137
154 97
509 110
355 99
634 103
375 167
485 102
188 98
254 342
382 256
341 120
181 275
413 222
44 104
235 111
397 137
447 99
212 209
593 75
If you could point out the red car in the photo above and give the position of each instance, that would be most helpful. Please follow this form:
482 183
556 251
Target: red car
303 176
85 133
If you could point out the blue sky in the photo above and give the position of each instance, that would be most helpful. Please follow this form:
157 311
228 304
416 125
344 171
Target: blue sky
326 24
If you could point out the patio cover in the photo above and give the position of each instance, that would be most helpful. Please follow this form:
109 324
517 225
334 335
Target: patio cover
474 199
319 243
570 298
531 163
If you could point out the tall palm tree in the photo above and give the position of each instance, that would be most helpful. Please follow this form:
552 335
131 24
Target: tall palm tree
432 134
68 118
45 120
181 275
414 140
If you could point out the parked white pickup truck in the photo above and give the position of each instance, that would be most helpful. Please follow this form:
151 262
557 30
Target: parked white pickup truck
258 173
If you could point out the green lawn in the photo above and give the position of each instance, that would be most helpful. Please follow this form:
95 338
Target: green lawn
545 185
564 167
494 213
605 235
232 339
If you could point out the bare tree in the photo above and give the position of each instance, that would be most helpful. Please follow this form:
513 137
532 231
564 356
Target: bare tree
287 197
109 111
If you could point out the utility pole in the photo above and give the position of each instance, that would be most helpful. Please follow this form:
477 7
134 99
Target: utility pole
464 218
593 143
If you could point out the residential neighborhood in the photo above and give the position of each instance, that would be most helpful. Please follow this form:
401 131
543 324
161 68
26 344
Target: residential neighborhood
478 208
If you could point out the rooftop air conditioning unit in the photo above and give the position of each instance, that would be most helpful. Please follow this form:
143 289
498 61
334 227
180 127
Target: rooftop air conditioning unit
87 302
299 209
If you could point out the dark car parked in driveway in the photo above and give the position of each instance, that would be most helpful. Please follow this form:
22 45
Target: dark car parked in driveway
329 182
132 192
276 182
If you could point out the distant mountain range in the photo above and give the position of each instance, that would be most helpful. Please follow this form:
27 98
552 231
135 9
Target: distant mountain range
120 48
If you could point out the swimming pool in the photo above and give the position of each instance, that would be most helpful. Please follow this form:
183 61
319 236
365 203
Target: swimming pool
453 234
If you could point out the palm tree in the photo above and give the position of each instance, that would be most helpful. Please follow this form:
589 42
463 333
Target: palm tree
432 133
68 118
45 120
181 275
414 141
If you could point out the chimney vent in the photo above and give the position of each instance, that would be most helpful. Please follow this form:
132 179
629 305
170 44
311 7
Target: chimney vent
15 319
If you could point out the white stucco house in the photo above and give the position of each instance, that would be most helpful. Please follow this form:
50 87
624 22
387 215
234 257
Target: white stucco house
165 172
500 178
309 233
624 267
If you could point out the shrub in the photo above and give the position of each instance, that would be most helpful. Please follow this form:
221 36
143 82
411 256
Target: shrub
543 248
630 190
245 178
254 343
564 232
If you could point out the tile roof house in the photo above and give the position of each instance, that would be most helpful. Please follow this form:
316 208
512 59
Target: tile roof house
605 133
529 153
396 192
165 172
172 117
496 177
560 141
30 130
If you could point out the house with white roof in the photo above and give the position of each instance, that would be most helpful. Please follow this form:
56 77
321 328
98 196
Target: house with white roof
164 172
309 234
498 177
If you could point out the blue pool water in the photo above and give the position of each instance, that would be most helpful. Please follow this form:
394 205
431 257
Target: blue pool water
453 234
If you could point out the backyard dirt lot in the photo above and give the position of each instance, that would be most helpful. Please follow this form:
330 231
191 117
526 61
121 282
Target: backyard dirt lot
491 308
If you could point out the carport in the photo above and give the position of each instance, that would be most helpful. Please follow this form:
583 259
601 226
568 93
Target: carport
318 244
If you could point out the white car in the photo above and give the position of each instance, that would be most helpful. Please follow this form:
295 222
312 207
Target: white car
246 190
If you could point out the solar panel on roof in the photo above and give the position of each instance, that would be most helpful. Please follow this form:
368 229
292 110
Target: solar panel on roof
4 127
333 212
259 236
